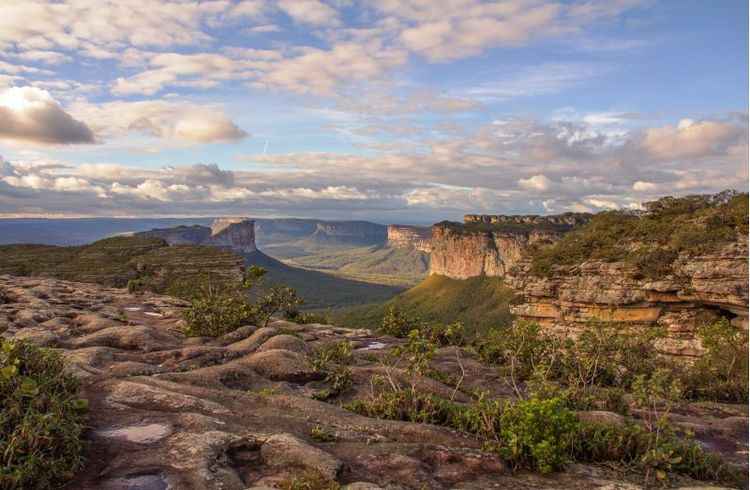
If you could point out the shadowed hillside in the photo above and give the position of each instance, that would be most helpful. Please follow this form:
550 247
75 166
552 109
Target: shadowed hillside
321 290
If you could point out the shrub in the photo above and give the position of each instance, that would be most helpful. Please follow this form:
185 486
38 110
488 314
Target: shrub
537 434
4 297
332 359
397 323
341 352
217 311
453 334
320 434
722 373
41 418
279 299
656 455
520 349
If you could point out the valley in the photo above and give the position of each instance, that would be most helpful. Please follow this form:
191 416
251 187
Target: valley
417 357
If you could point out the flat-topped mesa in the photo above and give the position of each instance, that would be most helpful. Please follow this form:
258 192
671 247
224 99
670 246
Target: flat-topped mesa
410 237
236 234
491 245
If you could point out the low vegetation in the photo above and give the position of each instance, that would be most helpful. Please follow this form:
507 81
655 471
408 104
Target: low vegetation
333 361
41 418
651 241
605 368
219 308
138 263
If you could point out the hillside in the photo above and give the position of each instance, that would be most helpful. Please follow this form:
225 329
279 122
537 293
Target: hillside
321 290
480 303
381 265
115 261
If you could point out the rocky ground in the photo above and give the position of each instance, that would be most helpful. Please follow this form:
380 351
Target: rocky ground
237 412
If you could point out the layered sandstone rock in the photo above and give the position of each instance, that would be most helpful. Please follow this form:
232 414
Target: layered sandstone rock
459 252
700 290
410 237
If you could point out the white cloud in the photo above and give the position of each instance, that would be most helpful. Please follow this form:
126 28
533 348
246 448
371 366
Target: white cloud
30 114
536 183
691 139
170 120
310 12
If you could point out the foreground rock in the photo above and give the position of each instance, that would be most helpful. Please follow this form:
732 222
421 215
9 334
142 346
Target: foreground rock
237 412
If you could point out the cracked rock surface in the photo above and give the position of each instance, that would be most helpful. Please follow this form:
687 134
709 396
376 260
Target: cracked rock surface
236 412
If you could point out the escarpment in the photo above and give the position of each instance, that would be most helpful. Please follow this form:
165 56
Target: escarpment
410 237
492 245
680 264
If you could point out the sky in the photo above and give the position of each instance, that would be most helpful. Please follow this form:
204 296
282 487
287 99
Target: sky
394 111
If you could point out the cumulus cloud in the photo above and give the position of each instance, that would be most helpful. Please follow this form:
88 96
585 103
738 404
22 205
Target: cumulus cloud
310 12
692 139
30 114
171 120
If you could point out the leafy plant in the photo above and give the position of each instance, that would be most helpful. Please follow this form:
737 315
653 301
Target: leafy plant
217 311
41 418
397 323
721 374
279 299
332 359
320 434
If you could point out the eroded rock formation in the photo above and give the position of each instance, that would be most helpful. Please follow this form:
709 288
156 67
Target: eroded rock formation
492 245
235 234
410 237
700 290
237 412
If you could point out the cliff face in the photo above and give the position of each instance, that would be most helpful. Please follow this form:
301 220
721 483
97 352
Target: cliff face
491 245
700 290
235 234
410 237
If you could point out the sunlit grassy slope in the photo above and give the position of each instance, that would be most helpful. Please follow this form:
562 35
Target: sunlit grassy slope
479 302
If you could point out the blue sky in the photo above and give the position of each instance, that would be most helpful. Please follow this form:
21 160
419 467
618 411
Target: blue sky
408 111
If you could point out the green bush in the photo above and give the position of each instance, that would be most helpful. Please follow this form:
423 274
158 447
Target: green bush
332 360
217 311
537 434
722 373
41 418
397 323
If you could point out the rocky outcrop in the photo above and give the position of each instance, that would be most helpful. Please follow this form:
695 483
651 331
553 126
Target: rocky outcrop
235 234
410 237
460 252
237 412
699 290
